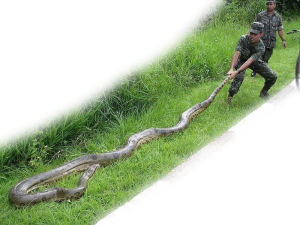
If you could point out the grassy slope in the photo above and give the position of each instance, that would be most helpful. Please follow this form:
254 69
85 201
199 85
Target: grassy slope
114 185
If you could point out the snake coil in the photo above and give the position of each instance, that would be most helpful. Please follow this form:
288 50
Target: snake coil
20 195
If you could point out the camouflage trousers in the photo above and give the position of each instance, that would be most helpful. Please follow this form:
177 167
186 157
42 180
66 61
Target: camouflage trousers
267 55
259 67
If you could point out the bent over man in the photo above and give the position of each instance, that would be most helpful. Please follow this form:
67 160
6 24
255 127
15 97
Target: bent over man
248 52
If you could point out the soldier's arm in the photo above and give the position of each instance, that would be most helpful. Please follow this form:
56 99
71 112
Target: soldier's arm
281 35
243 67
234 60
246 64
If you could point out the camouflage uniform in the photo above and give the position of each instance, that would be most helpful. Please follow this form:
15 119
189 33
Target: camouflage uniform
255 52
272 23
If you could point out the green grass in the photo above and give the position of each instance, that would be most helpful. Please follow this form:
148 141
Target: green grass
169 86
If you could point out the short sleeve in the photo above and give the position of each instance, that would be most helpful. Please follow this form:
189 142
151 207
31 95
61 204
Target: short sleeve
238 46
280 25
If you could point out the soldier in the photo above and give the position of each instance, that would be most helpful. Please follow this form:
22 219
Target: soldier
248 52
272 22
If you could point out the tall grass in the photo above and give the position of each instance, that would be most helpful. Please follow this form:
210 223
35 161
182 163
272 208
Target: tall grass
194 61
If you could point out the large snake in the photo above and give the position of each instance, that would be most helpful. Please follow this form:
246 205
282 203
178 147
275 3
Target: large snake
20 195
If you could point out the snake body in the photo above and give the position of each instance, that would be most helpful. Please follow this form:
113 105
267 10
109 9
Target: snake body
20 195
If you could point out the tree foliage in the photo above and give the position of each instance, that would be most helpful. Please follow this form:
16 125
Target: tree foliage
244 12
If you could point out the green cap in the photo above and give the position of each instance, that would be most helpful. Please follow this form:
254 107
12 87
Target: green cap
256 27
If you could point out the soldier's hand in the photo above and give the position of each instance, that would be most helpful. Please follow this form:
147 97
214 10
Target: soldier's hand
284 44
232 74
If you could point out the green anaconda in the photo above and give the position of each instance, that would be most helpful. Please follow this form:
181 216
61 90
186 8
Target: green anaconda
20 195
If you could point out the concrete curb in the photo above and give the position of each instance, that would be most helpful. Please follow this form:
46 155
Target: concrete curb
181 172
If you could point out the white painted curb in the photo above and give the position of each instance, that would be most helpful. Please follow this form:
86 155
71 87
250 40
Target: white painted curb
137 204
167 183
253 119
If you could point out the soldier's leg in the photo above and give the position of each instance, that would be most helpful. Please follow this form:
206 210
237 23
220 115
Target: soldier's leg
267 73
235 85
267 55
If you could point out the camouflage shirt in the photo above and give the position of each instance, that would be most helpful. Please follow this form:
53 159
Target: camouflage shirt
272 23
249 50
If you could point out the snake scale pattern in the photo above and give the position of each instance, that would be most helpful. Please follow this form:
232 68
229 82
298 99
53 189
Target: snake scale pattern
21 194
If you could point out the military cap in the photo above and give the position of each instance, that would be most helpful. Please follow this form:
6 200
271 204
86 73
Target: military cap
256 27
269 1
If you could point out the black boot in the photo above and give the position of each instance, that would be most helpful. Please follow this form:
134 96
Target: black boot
264 93
229 99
